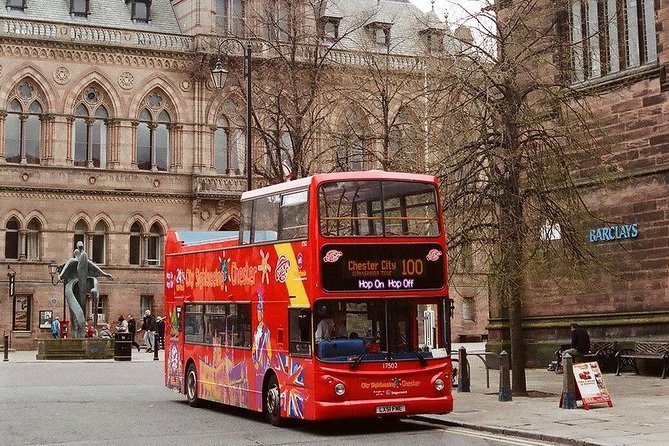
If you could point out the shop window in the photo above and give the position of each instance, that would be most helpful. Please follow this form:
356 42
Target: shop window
21 313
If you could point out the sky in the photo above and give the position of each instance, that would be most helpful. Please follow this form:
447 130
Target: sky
456 9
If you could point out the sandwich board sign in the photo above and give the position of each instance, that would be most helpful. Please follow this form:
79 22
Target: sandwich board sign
590 388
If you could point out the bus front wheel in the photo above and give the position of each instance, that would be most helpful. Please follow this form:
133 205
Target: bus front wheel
273 401
191 387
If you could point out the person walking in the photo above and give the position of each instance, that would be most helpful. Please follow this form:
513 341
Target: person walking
149 327
132 329
55 328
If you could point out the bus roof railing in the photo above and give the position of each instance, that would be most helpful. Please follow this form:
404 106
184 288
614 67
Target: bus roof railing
189 238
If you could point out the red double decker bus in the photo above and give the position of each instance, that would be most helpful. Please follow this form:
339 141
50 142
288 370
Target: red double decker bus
330 302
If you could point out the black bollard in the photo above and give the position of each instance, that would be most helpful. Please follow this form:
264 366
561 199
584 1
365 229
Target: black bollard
568 399
6 347
463 378
156 345
505 393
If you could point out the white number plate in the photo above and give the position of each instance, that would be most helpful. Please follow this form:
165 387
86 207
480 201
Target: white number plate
391 409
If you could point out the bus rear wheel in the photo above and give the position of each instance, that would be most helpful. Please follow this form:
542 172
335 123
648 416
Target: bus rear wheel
191 386
273 402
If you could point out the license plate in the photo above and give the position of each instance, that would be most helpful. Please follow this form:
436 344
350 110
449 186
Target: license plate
391 409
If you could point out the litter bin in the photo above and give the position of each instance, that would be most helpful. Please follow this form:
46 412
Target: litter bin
122 346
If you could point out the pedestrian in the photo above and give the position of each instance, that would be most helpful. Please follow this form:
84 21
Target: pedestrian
160 330
132 328
55 328
122 325
149 327
105 332
580 344
90 329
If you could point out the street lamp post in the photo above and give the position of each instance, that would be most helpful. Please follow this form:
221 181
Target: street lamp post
54 271
218 76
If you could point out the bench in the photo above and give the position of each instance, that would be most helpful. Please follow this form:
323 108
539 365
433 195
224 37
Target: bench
643 350
603 352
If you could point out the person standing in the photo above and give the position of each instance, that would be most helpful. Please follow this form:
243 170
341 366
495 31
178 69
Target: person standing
132 328
55 328
122 325
160 330
90 329
149 327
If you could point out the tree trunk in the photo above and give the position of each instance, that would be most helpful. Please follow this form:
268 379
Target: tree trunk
512 237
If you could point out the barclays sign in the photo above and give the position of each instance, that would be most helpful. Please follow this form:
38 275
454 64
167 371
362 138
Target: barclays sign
615 232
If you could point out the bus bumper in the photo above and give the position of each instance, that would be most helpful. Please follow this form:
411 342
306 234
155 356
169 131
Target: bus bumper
382 408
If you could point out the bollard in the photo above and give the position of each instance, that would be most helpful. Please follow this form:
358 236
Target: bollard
6 347
568 399
463 379
156 345
505 393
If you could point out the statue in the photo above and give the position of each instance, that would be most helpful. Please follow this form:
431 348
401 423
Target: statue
79 271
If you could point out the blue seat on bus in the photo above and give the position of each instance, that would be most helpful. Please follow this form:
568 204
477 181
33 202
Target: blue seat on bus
340 347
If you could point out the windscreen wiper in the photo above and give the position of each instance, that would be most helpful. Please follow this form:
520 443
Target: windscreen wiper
422 360
357 360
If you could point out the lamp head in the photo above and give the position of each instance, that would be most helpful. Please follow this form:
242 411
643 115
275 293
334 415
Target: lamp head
219 74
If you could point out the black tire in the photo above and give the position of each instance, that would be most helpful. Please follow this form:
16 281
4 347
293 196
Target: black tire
191 387
272 402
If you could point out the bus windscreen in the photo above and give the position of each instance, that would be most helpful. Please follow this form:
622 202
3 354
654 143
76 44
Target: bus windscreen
378 209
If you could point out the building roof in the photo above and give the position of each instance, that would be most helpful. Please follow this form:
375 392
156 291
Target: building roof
405 19
105 13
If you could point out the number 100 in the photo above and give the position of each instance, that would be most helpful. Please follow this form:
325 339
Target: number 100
412 267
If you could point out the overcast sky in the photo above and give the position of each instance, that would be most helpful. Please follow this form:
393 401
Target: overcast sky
455 8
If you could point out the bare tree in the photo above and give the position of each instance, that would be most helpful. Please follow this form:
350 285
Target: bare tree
511 188
294 77
390 101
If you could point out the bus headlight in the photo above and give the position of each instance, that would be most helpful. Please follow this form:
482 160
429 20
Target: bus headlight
439 384
340 389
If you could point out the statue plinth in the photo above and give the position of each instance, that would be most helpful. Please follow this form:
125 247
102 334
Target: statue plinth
78 348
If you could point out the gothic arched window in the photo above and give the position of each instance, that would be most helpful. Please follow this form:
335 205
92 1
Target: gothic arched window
136 243
23 126
90 131
229 144
33 237
99 242
153 135
351 142
12 239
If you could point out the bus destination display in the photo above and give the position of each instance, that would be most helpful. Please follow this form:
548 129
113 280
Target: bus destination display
382 267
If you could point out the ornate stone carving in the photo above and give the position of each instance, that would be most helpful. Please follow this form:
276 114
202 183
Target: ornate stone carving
61 75
126 80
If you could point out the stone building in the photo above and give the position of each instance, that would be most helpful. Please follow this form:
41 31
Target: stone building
613 52
111 132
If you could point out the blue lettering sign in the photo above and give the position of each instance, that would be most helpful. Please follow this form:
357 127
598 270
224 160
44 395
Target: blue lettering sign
613 232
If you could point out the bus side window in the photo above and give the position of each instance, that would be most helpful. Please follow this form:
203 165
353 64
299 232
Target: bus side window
299 321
